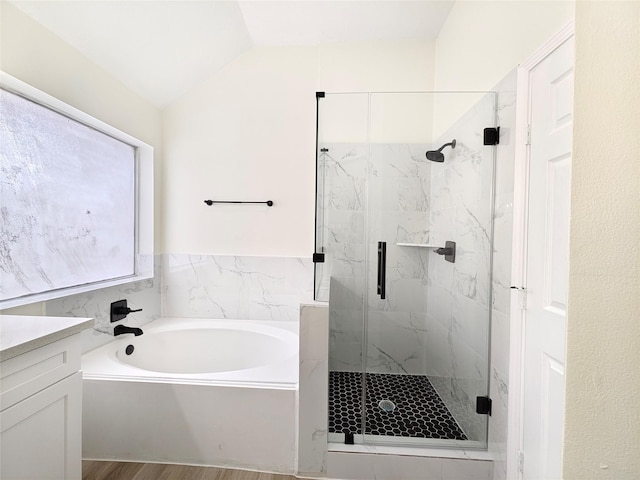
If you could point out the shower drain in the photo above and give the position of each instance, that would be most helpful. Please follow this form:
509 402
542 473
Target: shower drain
387 405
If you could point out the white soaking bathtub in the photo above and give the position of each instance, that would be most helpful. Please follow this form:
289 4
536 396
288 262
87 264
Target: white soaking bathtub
195 391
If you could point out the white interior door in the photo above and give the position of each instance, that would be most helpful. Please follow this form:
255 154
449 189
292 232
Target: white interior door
547 262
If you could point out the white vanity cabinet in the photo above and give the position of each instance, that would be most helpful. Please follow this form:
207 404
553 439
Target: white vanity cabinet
41 403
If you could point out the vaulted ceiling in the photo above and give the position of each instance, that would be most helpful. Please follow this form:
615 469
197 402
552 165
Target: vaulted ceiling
160 49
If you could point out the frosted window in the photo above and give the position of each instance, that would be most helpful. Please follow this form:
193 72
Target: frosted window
67 201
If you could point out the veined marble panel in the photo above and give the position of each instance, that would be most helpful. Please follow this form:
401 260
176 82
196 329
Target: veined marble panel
461 406
256 288
499 393
342 193
144 294
399 201
439 360
216 286
503 229
313 393
346 324
399 198
396 209
459 296
396 342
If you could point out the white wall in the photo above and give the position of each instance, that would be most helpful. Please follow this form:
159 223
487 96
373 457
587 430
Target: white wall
248 133
482 41
34 55
397 66
38 57
602 430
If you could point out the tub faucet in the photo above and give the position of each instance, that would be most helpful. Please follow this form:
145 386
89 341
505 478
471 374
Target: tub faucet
121 329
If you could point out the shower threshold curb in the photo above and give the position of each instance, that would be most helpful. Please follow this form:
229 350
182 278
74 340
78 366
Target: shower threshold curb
470 454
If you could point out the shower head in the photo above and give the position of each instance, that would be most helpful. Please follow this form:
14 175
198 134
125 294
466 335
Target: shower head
437 155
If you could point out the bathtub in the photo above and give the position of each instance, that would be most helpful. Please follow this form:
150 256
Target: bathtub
195 391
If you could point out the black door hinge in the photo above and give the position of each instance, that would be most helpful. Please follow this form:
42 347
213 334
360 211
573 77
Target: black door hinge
318 258
483 405
492 136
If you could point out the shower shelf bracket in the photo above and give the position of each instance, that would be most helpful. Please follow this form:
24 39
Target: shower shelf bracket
449 249
419 245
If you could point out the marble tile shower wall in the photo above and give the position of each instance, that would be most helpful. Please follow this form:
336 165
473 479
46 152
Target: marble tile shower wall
343 232
502 234
235 287
459 294
399 209
393 188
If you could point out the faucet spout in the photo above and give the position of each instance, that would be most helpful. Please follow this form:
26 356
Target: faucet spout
122 329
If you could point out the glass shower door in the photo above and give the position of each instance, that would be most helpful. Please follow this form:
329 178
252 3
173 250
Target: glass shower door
342 158
409 312
427 318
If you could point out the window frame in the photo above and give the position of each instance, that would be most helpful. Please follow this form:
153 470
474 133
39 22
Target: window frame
143 195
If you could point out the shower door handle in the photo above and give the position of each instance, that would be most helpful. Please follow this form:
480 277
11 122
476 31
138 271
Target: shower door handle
382 268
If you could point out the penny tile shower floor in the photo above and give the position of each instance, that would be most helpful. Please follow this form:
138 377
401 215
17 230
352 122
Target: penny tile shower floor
417 410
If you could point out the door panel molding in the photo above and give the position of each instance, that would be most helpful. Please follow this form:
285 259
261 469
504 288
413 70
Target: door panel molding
519 246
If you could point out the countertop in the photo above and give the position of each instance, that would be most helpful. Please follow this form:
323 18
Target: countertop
22 333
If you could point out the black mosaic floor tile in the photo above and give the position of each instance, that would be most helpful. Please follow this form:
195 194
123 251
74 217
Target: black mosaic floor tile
417 409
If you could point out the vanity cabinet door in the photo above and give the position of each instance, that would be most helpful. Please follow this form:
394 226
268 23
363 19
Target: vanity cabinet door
41 435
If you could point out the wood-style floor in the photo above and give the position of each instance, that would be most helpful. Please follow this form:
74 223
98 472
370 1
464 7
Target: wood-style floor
98 470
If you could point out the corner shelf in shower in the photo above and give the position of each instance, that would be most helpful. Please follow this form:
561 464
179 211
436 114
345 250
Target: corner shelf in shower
420 245
448 251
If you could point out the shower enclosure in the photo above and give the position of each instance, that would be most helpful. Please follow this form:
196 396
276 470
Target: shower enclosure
403 255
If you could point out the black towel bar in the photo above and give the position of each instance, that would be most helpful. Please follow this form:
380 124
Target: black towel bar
211 202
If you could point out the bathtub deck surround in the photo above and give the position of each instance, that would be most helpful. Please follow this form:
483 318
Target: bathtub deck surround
222 409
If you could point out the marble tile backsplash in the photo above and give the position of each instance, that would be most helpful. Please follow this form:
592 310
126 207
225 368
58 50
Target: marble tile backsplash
144 294
236 287
198 286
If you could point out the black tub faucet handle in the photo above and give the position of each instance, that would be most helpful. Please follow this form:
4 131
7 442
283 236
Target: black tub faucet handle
120 309
125 310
